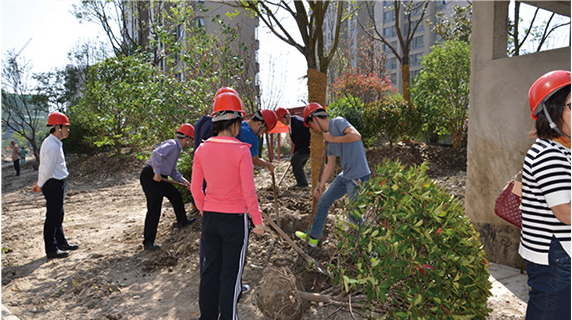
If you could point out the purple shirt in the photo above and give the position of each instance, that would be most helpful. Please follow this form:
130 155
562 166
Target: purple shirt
164 159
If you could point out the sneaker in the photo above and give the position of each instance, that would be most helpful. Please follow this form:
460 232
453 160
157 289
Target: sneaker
302 235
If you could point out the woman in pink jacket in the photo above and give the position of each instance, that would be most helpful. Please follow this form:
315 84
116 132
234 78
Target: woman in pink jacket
226 165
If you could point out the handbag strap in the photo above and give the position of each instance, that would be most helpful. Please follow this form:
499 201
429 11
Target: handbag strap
516 175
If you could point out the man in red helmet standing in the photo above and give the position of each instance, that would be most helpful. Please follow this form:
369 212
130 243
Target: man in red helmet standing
262 122
300 136
344 142
51 182
161 164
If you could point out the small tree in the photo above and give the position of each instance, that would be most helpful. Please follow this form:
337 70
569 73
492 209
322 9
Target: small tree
457 26
22 111
417 256
415 13
119 96
367 87
442 89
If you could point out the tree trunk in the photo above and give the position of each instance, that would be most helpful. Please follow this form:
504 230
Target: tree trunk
406 82
317 85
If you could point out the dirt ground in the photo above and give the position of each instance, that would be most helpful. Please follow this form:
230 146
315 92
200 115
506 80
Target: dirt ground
110 276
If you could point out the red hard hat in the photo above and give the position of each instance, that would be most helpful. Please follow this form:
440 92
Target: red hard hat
58 118
223 90
227 101
187 130
280 113
312 108
269 118
544 87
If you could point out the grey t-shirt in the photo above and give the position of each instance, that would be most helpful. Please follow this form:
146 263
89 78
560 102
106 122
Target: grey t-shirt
352 155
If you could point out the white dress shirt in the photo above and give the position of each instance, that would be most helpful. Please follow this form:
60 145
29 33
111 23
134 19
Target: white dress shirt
52 161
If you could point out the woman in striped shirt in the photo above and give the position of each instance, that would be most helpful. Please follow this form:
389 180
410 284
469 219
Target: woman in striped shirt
545 236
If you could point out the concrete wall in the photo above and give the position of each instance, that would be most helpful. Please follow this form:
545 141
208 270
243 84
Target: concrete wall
499 122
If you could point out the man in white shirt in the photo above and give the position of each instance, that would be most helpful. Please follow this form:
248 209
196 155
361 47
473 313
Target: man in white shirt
51 182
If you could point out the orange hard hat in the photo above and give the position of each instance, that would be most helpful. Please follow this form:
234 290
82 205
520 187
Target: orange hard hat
313 109
544 87
269 118
187 130
227 106
280 113
58 118
223 90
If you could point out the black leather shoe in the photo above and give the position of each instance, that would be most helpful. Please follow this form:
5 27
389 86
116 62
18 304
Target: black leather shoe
186 223
69 247
57 254
151 247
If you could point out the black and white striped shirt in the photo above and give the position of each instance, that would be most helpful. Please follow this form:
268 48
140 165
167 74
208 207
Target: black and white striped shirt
545 184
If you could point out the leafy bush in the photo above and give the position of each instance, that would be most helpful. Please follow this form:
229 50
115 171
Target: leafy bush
417 256
185 167
392 118
349 108
366 87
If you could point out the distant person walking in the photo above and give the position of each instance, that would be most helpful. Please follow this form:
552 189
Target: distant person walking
51 182
23 156
16 157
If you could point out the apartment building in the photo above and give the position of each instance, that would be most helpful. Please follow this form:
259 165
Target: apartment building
140 14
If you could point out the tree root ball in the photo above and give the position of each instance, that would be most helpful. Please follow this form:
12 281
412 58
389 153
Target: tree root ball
277 296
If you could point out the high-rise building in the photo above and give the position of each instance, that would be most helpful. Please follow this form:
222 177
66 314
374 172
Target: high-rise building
139 15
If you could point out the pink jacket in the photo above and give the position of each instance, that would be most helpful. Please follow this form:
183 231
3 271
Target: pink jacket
225 163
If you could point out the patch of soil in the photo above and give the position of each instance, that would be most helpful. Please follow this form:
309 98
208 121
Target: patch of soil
111 277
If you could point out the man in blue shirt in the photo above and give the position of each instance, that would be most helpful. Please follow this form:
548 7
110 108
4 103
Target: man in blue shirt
163 163
262 122
344 143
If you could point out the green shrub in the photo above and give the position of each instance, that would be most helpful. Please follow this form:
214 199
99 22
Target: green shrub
185 167
351 109
417 255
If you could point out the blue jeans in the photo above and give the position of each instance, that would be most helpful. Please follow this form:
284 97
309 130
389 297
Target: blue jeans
337 189
550 293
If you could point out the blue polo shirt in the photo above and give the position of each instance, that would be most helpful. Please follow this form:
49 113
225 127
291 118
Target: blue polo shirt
352 155
247 135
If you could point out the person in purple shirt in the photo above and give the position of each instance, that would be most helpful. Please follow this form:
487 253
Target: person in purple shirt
163 163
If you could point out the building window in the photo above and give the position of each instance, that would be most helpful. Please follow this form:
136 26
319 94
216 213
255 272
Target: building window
393 78
417 42
414 74
200 22
415 59
392 63
389 16
389 32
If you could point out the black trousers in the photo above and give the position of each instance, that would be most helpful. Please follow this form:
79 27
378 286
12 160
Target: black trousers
54 192
154 192
298 162
17 166
225 240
